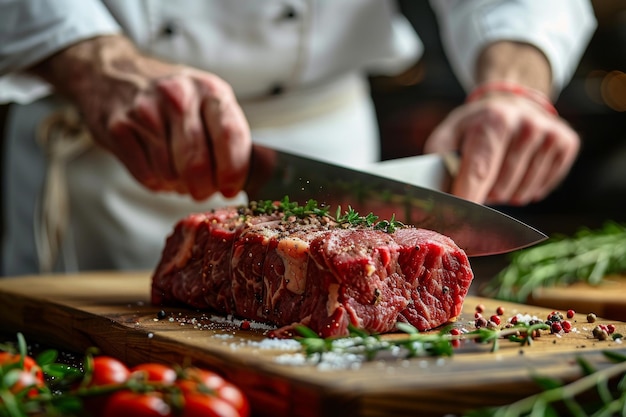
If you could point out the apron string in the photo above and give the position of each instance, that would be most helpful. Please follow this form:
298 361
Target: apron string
63 137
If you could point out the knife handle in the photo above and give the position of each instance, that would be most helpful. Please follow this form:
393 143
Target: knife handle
263 164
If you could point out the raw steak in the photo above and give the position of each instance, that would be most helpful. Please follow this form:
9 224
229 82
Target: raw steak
311 271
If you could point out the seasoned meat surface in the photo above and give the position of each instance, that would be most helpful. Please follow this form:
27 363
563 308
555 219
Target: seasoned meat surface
311 271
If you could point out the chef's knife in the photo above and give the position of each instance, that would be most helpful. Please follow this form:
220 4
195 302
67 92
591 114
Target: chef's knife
430 170
479 230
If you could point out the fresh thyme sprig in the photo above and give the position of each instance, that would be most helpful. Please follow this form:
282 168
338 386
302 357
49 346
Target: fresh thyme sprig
414 344
353 218
587 256
611 398
288 208
390 225
350 217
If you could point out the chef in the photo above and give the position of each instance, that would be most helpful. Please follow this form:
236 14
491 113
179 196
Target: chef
128 115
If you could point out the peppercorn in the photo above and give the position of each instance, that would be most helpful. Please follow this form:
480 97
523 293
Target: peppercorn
600 333
495 318
480 308
591 318
566 325
554 317
500 310
480 322
570 314
161 314
492 325
455 342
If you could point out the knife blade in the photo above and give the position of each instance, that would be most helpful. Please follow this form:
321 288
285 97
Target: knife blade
478 229
429 171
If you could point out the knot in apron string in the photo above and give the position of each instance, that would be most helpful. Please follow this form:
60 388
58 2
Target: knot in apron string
63 137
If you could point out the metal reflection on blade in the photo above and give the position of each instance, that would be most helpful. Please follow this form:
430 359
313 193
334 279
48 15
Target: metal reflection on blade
479 230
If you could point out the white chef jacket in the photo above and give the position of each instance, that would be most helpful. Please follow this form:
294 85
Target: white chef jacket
297 67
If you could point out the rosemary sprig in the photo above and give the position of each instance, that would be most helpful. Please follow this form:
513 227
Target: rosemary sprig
414 344
587 256
611 397
611 401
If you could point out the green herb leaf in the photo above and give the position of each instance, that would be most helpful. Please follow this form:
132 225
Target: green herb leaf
59 370
306 332
614 356
610 401
413 344
585 366
406 328
547 383
349 218
47 357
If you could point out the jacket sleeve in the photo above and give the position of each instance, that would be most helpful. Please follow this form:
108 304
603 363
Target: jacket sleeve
31 30
561 29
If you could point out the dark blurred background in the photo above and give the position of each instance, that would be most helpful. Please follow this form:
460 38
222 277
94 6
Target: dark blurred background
594 103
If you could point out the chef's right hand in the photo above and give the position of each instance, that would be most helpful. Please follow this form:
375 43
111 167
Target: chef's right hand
175 128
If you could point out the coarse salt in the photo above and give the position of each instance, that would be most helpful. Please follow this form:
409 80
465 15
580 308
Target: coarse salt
223 336
277 344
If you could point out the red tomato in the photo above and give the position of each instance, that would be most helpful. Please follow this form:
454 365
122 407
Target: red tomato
207 405
209 383
24 380
135 404
107 371
233 395
194 376
156 372
29 364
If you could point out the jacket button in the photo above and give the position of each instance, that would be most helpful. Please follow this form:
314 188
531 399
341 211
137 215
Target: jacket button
289 13
169 29
277 89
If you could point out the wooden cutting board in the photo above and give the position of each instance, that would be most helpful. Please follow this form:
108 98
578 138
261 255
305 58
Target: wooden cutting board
112 311
607 299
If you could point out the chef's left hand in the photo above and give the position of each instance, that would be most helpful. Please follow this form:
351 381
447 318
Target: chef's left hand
513 151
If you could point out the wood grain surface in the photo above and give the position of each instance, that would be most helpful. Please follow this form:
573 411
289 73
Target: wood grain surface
112 312
607 299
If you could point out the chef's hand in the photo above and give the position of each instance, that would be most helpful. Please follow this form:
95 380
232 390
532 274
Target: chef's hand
513 149
175 128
